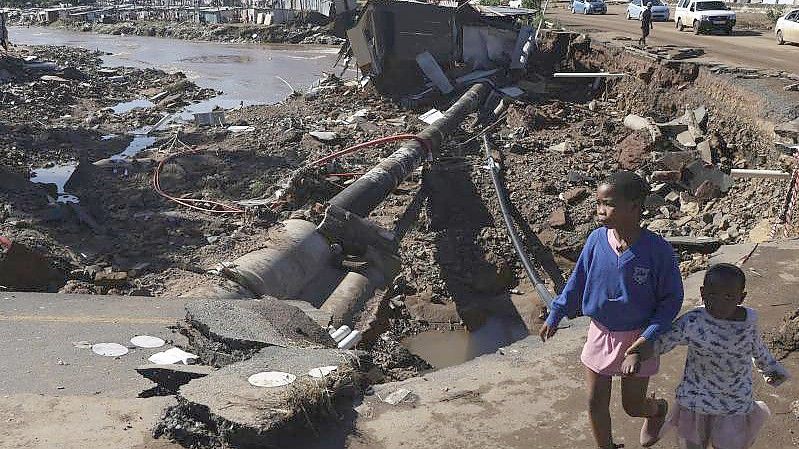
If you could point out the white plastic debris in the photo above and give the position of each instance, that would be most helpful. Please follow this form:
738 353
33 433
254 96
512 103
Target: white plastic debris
171 356
322 371
109 349
397 396
83 344
431 116
340 333
240 128
271 379
350 340
147 341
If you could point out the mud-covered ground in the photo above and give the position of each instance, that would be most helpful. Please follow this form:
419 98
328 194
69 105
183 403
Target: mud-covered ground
555 144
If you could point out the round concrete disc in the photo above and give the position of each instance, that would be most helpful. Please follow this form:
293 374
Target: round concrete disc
146 341
109 349
271 379
322 371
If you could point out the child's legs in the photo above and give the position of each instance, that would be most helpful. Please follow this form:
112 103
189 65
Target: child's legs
685 444
599 407
633 397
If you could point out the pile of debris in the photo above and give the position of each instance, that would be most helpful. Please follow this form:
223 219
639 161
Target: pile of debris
240 33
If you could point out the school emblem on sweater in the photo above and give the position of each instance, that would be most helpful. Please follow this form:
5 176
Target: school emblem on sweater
640 275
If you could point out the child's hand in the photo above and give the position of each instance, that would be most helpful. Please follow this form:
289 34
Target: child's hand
775 379
546 332
631 364
644 348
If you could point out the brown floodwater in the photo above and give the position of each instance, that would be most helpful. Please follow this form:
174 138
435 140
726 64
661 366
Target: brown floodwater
448 348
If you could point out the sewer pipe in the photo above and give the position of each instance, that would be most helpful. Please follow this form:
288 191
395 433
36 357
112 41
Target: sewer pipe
297 251
372 188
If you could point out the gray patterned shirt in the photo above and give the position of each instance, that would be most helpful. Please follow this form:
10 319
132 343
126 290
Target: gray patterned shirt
718 369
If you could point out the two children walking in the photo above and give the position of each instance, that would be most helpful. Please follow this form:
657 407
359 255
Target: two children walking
628 282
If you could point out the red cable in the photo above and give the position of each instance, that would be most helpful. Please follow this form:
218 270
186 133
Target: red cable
228 209
371 143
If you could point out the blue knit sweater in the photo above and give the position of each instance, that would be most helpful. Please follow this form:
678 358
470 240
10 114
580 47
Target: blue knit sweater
639 289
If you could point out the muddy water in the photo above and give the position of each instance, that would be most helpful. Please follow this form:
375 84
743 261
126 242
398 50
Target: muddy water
449 348
245 73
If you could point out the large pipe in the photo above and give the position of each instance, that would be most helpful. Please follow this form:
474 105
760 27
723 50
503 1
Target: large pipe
297 251
372 188
295 255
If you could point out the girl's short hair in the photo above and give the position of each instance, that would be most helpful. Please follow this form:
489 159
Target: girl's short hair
726 270
628 185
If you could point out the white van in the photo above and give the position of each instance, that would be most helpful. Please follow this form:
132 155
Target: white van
704 15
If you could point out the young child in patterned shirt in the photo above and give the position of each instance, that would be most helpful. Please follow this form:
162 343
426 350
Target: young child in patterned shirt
715 403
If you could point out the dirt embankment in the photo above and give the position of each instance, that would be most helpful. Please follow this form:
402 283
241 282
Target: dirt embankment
238 33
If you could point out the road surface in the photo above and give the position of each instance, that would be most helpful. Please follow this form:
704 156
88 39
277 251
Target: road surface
755 49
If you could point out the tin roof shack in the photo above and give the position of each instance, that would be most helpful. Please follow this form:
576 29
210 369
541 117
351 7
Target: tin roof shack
397 42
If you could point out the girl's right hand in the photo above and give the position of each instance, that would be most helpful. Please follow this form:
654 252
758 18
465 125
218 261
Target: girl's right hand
546 332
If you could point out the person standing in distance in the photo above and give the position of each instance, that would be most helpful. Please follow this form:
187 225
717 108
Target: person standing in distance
646 24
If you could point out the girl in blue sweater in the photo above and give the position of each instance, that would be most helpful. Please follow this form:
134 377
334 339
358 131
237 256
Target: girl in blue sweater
627 280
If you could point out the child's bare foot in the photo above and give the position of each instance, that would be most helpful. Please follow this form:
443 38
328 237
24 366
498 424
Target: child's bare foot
650 432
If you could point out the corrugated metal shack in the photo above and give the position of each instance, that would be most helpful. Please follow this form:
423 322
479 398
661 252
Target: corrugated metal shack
391 34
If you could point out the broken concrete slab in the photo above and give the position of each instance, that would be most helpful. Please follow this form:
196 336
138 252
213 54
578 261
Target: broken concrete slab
638 123
698 172
704 245
675 160
634 149
575 195
705 151
321 317
558 218
686 140
223 407
788 131
172 377
225 331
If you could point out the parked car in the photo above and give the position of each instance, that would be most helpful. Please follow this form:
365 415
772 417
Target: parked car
589 7
659 10
787 27
704 15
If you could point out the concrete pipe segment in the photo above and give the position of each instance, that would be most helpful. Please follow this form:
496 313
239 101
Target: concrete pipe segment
295 255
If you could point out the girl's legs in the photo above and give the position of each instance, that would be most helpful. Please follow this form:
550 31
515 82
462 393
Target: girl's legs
634 399
685 444
599 407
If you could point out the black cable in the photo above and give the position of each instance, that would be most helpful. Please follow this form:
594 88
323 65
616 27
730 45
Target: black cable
499 188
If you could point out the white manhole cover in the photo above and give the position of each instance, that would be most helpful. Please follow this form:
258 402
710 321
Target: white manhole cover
271 379
109 349
146 341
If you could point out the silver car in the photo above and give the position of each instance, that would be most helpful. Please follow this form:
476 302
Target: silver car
660 12
787 27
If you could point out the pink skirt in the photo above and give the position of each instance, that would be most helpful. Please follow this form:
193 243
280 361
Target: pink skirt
722 431
603 352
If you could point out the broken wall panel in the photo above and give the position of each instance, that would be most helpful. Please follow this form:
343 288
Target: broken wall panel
487 47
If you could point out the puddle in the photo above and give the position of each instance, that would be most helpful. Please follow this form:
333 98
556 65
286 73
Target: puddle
449 348
127 106
58 175
136 146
